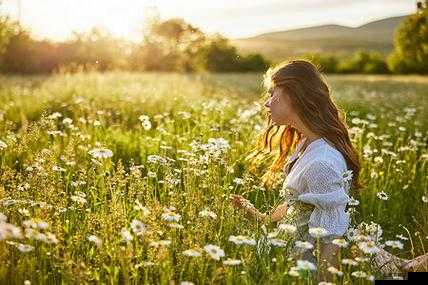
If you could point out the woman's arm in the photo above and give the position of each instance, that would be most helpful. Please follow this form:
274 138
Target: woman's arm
251 211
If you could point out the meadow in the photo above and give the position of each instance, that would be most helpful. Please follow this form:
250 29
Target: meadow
124 178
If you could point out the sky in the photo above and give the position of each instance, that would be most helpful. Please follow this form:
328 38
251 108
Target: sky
56 19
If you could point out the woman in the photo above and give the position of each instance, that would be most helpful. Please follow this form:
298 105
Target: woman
319 169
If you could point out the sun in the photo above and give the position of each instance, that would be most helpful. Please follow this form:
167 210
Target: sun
58 19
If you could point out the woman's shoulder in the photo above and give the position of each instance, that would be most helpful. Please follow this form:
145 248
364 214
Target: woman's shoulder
326 156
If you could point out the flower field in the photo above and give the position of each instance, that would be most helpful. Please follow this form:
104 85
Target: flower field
122 178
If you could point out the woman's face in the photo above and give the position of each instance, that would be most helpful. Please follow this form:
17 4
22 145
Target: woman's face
280 107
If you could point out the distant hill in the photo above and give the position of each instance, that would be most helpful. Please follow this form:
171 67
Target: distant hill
334 39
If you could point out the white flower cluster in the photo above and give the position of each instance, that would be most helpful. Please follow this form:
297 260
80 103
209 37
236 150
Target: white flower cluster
145 122
240 239
100 153
214 149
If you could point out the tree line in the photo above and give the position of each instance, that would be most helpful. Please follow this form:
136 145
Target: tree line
173 45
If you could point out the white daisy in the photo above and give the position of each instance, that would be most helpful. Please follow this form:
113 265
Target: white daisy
100 153
138 227
305 265
382 195
126 235
304 244
240 239
208 213
394 244
340 242
94 239
287 228
318 232
232 262
192 253
214 251
170 216
368 247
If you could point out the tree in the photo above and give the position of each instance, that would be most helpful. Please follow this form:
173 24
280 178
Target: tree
173 43
410 53
18 55
96 49
7 28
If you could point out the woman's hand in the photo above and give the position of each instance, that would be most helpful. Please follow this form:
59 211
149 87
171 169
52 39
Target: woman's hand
242 203
238 201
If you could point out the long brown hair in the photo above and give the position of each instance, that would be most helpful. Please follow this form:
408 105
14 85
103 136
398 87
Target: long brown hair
310 97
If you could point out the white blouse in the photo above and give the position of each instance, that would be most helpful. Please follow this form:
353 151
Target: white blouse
317 178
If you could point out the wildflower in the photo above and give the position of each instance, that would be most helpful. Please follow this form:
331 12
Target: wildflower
157 244
94 239
36 224
277 242
176 226
238 181
394 244
287 228
3 145
100 153
58 169
353 202
145 264
378 159
192 253
3 218
318 232
145 122
293 272
51 238
304 244
9 230
334 270
232 262
170 216
368 247
425 199
24 247
359 274
151 174
126 235
208 213
240 239
214 251
340 242
347 261
361 259
305 265
79 198
400 236
138 227
78 183
156 159
67 121
382 195
55 115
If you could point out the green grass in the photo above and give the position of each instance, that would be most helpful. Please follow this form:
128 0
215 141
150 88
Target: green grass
46 174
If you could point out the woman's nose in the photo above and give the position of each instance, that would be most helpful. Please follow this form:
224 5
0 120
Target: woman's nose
267 103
